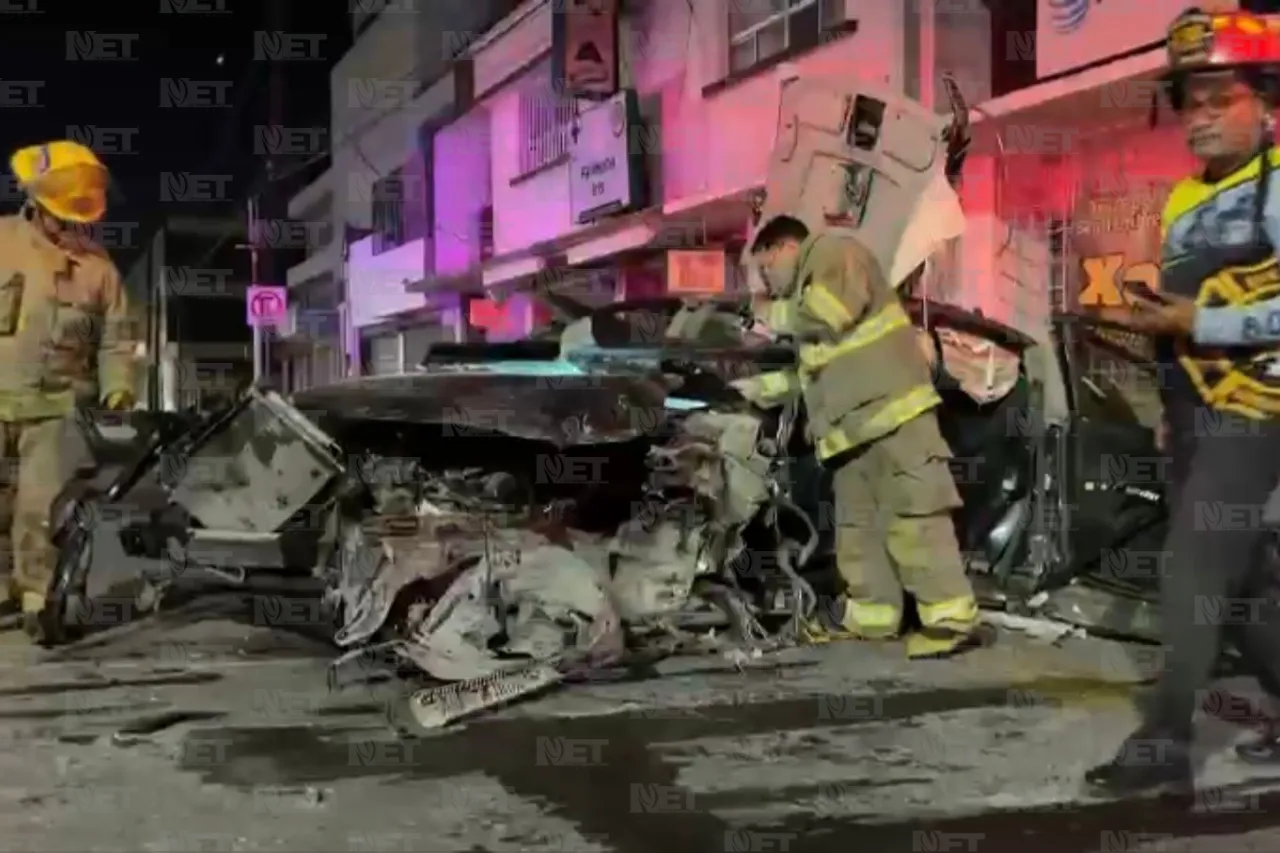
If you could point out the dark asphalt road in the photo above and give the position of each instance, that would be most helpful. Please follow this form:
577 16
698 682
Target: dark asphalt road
210 735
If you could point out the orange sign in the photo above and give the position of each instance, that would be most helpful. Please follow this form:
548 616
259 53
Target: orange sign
695 271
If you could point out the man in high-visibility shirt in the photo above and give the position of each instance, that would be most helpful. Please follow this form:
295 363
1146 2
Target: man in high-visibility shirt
66 340
829 244
1220 250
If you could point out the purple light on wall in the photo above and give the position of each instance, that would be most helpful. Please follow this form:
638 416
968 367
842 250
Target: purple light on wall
376 283
463 189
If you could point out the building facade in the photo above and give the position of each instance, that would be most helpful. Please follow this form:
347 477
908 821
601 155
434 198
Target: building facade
190 285
374 204
1068 178
474 190
649 191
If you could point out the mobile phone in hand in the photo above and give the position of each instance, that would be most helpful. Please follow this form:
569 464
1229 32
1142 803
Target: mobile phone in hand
1140 290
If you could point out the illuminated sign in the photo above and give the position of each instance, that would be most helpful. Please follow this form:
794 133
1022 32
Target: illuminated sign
1103 275
696 271
266 306
486 314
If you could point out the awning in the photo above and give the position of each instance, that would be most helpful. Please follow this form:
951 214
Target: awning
594 243
460 281
689 222
293 346
498 273
1142 65
614 242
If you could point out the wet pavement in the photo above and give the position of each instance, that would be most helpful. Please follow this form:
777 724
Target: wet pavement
214 735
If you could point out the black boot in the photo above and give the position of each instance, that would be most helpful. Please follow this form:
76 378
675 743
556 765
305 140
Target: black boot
1145 764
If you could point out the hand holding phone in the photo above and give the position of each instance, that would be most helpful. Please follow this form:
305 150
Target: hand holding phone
1139 290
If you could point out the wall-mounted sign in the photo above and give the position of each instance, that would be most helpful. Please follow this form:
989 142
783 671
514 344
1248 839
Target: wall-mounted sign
1071 34
1115 235
266 306
584 52
695 271
605 170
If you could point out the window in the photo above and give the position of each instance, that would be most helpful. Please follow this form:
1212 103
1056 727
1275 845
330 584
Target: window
760 30
388 213
546 127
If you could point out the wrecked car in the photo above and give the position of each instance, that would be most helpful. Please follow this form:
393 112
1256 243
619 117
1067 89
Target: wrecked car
511 513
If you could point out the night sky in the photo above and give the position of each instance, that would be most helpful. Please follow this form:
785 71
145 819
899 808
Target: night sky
107 87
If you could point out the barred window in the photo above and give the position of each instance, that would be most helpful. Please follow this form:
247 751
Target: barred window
388 212
762 29
546 127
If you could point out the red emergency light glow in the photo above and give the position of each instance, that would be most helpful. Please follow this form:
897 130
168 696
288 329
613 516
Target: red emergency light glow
485 314
1244 38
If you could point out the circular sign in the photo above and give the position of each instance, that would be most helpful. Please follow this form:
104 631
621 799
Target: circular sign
266 306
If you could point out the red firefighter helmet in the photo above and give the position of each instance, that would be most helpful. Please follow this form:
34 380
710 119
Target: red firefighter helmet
1201 42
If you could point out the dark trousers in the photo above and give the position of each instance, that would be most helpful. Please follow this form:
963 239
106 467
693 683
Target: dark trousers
1216 586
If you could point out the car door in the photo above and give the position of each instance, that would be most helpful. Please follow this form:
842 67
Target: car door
1114 478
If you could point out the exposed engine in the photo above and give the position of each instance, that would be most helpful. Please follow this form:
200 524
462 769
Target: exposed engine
477 571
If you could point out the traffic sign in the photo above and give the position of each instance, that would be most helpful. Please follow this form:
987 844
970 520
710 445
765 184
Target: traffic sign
266 306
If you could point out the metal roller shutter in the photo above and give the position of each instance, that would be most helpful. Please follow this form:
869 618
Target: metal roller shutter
385 352
417 339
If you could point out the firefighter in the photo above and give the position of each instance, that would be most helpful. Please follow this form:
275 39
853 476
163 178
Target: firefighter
65 341
831 240
1221 406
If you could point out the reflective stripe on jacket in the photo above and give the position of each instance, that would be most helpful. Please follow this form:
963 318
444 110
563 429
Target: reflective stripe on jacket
861 370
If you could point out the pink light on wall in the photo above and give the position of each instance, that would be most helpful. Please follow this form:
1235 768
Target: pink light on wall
376 282
463 189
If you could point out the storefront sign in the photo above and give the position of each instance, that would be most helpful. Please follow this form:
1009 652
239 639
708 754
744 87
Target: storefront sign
1117 236
485 314
1104 276
604 171
500 321
1071 34
696 271
584 52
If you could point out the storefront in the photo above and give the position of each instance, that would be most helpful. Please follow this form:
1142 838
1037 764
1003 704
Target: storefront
398 344
1079 173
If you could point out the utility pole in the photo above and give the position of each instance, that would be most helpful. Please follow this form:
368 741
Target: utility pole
259 335
263 262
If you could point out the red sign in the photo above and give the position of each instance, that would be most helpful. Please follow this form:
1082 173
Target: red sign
485 314
266 306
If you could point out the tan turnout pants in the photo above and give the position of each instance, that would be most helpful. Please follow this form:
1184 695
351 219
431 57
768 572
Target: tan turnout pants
31 475
894 534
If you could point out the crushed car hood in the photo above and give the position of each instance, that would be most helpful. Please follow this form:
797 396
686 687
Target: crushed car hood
564 409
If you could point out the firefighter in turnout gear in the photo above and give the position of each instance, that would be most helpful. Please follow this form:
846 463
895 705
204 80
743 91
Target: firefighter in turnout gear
65 341
1221 231
851 196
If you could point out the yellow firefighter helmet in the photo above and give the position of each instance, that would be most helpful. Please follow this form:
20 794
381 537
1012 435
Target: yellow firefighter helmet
65 178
